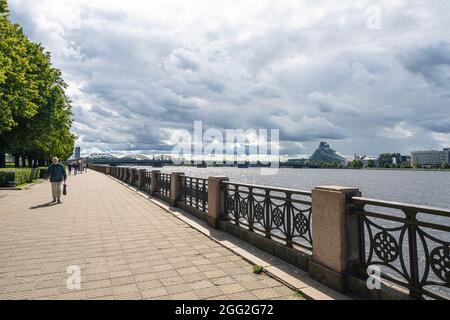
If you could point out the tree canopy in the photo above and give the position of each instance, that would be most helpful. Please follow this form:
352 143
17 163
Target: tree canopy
35 113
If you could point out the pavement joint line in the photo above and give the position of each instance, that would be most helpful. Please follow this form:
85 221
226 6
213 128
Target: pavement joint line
190 220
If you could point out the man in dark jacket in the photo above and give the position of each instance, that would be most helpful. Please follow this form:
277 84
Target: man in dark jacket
57 174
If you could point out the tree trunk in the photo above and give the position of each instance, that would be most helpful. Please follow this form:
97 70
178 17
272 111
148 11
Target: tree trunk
16 161
24 163
2 159
30 161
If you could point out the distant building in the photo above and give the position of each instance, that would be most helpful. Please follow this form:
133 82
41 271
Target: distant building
297 162
447 155
366 160
77 153
406 159
326 154
431 157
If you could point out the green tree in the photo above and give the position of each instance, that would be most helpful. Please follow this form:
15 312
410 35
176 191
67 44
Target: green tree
35 113
445 165
405 165
4 11
371 164
356 164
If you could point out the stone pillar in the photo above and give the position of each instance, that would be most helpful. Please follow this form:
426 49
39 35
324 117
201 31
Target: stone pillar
216 201
335 236
131 176
175 187
108 170
154 181
141 174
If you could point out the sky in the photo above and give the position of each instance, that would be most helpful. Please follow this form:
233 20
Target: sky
366 76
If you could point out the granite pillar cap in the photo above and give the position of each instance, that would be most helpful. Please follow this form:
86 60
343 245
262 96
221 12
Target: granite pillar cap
336 188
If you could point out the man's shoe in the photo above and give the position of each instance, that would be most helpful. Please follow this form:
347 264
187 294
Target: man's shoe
54 200
59 201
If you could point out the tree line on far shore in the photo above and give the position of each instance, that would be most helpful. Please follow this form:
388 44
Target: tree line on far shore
35 112
385 160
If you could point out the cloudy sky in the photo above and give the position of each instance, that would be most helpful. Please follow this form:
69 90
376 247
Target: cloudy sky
317 70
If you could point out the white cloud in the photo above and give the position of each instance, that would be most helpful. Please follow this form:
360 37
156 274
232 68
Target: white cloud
442 138
398 132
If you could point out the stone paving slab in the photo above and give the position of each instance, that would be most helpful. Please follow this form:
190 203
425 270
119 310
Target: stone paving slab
125 246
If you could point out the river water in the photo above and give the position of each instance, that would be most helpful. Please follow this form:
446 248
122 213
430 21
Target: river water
430 188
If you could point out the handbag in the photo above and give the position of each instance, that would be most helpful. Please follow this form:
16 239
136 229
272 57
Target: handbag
65 189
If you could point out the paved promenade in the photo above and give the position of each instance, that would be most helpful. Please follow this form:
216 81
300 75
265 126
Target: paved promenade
126 247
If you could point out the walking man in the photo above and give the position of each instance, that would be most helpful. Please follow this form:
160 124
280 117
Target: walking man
57 174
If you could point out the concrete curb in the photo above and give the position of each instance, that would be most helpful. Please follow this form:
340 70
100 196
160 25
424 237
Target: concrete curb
284 272
24 187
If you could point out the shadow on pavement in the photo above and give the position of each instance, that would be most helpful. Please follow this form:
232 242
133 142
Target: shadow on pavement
45 205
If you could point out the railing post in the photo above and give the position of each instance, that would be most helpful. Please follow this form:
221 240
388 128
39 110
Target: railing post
141 174
154 182
411 217
175 187
216 201
335 236
131 177
108 170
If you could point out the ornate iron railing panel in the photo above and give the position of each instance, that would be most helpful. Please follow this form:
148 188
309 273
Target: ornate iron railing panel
410 244
194 192
146 184
134 177
279 213
164 181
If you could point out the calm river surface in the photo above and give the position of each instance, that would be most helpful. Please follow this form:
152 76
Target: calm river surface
431 188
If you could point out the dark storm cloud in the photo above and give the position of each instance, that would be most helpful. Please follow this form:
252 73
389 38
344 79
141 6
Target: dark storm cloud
432 62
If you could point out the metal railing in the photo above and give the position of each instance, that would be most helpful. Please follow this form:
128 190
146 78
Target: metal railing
194 192
164 184
147 183
134 177
277 213
409 243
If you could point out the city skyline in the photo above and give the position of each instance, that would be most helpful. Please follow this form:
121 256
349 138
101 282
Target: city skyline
138 70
